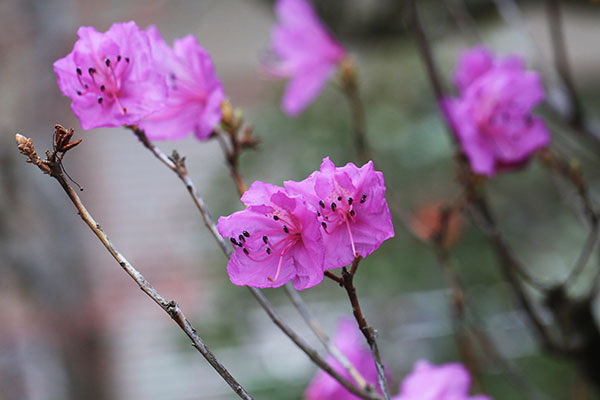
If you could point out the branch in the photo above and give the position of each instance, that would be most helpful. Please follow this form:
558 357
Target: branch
324 338
176 164
368 332
349 78
54 164
561 61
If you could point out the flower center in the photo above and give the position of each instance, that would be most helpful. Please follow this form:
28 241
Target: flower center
262 245
340 211
104 80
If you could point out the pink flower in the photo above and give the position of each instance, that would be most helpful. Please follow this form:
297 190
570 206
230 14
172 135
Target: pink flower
492 117
445 382
351 208
276 239
348 340
306 53
110 77
194 90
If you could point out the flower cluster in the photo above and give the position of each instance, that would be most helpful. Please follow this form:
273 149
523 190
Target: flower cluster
299 231
304 51
492 116
127 76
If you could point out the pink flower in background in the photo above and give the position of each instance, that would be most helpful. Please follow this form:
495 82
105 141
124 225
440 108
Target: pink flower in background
110 77
194 90
348 341
444 382
306 53
492 117
351 208
276 239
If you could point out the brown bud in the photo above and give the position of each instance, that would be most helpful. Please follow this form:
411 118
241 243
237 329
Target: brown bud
25 145
347 71
227 113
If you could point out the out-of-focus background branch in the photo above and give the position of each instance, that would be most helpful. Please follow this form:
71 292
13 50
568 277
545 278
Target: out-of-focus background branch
59 339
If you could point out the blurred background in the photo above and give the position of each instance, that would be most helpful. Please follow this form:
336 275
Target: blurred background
74 326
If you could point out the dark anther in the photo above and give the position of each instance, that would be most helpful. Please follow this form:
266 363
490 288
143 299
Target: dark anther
333 207
352 213
322 203
245 251
268 250
364 197
79 92
79 71
127 59
232 240
118 58
324 224
285 229
318 213
99 100
275 217
102 88
91 70
350 200
242 238
339 198
245 233
265 239
107 61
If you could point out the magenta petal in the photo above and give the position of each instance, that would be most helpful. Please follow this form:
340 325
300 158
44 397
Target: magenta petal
444 382
195 93
304 87
304 51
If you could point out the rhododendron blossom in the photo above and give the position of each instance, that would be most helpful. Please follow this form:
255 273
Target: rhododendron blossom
348 340
492 117
305 52
351 208
276 239
110 77
194 90
444 382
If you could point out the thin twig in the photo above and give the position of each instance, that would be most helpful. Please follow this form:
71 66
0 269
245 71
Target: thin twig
309 351
334 277
561 60
323 337
177 165
368 332
350 89
169 306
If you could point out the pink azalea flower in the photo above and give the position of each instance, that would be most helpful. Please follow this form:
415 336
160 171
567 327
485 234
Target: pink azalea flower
306 53
351 208
276 239
110 77
348 340
492 117
194 90
445 382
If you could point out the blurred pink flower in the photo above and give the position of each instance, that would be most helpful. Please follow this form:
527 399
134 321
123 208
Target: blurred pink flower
348 340
276 239
194 90
110 77
351 208
445 382
306 52
492 117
